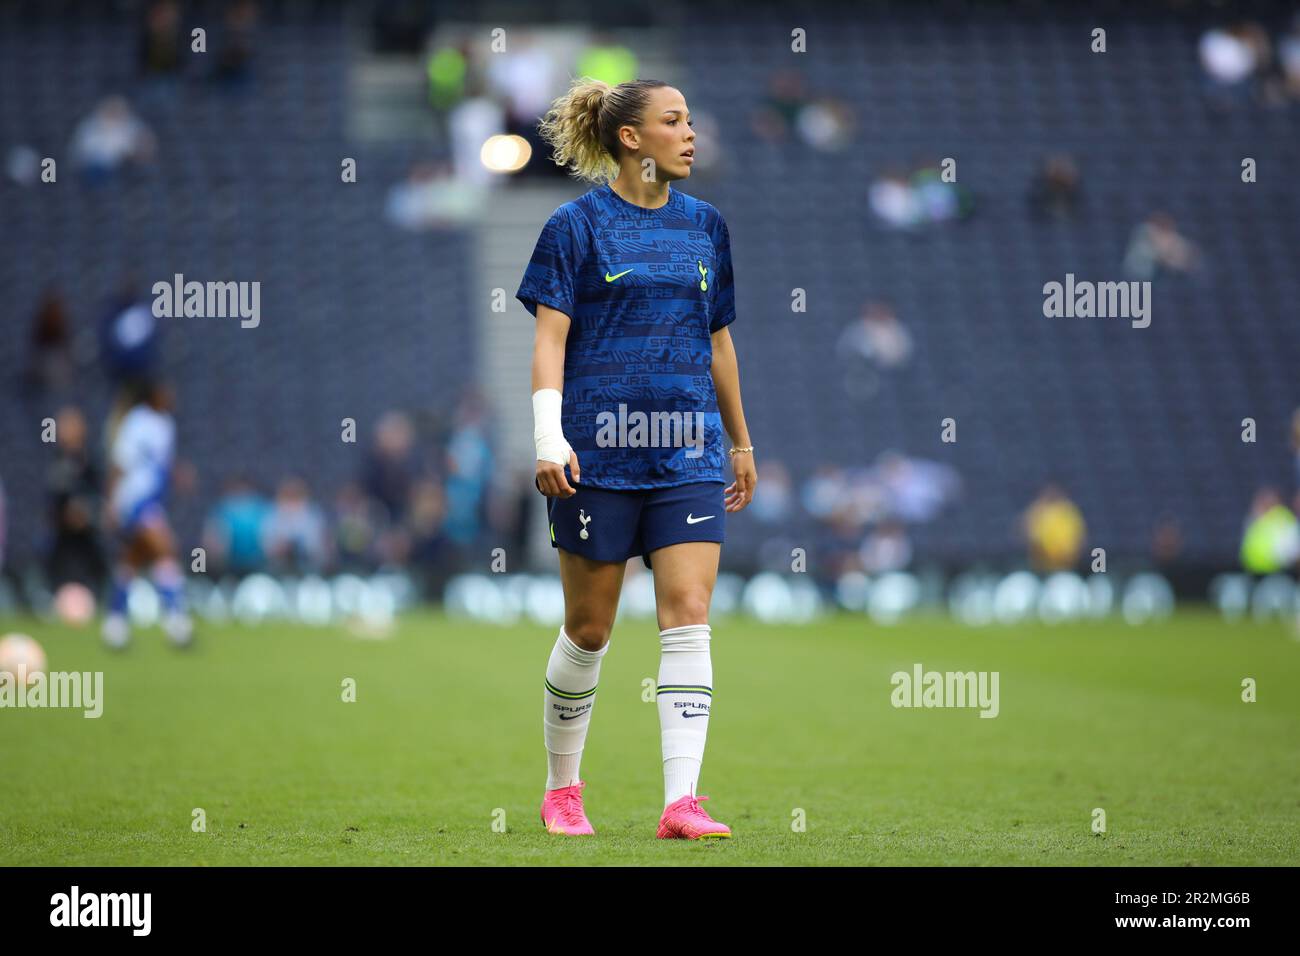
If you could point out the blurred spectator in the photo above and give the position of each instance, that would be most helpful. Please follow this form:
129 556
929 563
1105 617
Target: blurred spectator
777 497
129 336
827 497
518 90
111 136
235 53
234 533
359 523
837 544
469 466
1055 531
895 490
431 197
939 200
50 365
447 69
1288 50
886 549
1271 541
1157 245
876 336
826 124
890 197
525 81
919 198
429 555
1055 190
72 484
512 510
295 534
823 122
1166 542
1231 56
160 39
392 465
779 112
914 490
821 494
23 165
469 124
608 60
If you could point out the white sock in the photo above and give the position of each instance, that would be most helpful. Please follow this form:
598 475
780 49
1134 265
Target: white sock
684 694
571 677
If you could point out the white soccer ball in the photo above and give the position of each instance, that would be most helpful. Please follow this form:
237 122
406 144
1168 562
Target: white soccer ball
21 656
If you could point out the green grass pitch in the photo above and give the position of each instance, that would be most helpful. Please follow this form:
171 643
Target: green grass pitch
1146 723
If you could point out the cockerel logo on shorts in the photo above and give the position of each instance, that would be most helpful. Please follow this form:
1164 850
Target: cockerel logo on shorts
586 520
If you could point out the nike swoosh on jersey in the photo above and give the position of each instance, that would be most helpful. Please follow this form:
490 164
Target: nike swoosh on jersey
610 278
691 519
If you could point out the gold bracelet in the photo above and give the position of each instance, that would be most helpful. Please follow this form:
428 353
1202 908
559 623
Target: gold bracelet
737 451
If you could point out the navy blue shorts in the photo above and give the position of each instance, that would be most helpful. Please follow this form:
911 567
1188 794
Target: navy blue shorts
606 525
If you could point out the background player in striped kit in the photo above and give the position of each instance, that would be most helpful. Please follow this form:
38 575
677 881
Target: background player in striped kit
142 449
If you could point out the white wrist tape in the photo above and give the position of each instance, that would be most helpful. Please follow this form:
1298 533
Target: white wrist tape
547 434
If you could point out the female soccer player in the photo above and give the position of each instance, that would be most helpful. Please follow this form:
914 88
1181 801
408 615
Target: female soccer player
141 452
634 379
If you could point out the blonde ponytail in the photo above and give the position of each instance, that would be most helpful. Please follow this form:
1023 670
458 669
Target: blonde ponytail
582 125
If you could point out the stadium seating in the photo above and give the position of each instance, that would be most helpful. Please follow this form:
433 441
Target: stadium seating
359 316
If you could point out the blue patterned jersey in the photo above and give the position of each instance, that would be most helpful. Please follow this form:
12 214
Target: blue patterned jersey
644 289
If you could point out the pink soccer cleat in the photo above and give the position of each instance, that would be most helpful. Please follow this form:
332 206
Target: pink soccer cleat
562 811
685 819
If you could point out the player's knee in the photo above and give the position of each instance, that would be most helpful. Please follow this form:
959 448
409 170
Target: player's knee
590 635
689 607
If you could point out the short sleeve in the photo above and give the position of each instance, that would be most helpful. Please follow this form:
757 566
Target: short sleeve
551 275
722 309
